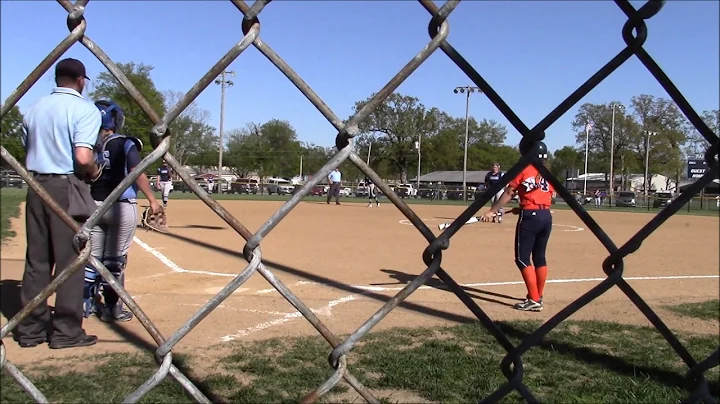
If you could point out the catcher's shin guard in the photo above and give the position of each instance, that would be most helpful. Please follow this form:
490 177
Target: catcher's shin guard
91 288
116 266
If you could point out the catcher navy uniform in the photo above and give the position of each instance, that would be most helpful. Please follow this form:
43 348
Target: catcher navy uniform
112 237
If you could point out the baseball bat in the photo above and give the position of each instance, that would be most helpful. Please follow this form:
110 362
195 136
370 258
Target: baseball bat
474 219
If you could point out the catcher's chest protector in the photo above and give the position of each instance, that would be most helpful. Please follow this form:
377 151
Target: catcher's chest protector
111 154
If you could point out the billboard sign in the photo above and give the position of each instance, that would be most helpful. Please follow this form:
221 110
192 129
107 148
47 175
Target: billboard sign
696 168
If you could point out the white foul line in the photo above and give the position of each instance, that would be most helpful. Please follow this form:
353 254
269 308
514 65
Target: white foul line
173 266
287 317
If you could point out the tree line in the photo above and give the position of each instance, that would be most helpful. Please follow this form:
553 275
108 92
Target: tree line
390 136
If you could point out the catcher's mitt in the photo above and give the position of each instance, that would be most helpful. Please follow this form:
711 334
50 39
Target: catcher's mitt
157 222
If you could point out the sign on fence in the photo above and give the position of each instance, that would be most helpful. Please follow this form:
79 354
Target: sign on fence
696 167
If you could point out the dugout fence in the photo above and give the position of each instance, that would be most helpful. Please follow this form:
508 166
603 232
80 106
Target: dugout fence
634 34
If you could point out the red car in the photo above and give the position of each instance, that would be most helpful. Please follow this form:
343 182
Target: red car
317 190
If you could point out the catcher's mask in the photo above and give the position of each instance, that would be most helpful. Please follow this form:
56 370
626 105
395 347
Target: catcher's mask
112 116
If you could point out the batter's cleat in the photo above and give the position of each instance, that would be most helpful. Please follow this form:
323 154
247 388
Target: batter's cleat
109 316
529 305
499 219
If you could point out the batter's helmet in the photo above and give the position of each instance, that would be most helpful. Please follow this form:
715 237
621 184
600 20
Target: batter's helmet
526 147
112 116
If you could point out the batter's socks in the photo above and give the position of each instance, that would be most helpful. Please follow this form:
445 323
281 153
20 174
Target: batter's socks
541 275
531 282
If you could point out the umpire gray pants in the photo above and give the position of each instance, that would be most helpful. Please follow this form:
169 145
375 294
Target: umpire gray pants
50 247
111 240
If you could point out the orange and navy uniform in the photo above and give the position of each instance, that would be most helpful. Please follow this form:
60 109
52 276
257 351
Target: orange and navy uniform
534 192
533 228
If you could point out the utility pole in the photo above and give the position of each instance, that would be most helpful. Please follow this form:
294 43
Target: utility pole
468 90
647 159
588 127
223 83
621 107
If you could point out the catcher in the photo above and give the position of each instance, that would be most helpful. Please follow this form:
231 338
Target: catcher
118 155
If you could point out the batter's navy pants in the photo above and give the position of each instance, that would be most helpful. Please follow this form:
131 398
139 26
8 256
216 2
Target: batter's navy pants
531 237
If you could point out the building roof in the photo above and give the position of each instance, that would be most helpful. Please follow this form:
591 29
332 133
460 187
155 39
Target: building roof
452 176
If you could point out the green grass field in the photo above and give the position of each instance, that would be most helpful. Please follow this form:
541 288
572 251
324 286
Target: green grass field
584 362
580 361
10 200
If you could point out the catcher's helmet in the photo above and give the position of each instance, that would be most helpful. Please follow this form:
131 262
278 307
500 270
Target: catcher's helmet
526 146
112 116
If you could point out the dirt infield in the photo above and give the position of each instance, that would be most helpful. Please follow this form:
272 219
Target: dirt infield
346 261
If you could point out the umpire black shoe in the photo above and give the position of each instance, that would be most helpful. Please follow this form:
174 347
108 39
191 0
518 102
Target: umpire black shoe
86 340
31 344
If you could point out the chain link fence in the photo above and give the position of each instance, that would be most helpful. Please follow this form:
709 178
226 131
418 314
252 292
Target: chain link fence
634 34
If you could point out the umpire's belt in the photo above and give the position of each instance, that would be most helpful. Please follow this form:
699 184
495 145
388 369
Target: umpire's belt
40 175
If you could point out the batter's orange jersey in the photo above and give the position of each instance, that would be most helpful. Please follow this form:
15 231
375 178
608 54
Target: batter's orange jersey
533 190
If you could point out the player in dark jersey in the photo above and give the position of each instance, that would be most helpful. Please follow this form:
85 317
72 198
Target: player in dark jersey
164 173
533 227
372 192
492 178
111 238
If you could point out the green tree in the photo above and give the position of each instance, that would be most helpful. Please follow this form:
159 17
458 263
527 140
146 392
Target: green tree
599 144
696 144
395 125
11 128
664 149
137 123
193 139
566 160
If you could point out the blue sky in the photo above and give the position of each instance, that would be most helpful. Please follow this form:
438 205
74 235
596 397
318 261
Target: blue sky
533 53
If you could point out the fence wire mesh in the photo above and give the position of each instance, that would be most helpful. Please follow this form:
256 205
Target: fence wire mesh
634 34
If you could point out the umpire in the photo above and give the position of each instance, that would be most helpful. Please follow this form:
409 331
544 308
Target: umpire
61 130
335 178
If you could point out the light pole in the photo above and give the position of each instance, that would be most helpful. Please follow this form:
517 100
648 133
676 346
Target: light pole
417 146
468 90
647 158
612 146
223 83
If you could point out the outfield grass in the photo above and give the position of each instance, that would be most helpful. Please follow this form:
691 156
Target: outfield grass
580 362
10 200
709 310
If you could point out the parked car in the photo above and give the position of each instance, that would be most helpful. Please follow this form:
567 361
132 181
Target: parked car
280 189
625 199
411 191
345 192
362 190
456 194
11 179
241 188
662 199
317 190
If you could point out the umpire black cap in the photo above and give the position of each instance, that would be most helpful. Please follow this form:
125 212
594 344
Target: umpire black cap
70 68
